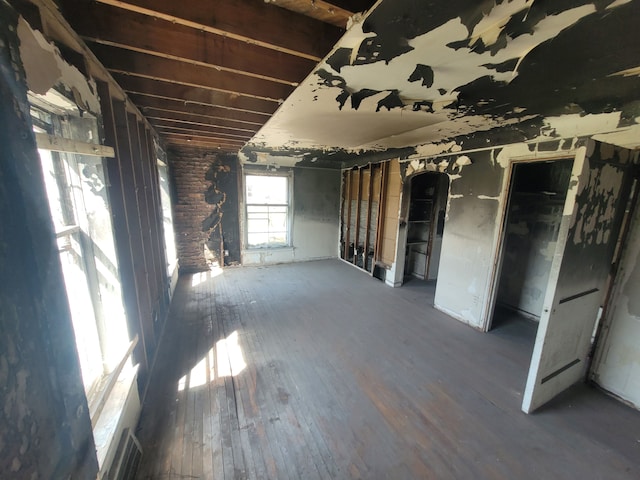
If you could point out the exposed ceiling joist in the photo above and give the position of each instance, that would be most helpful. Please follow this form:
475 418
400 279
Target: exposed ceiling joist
108 25
201 130
149 66
357 6
203 138
195 65
251 21
318 9
186 93
196 133
168 106
205 121
203 143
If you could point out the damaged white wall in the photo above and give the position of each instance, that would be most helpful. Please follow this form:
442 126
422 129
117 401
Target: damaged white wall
617 364
478 197
314 223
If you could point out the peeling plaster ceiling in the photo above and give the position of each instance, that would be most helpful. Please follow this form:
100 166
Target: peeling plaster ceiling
426 73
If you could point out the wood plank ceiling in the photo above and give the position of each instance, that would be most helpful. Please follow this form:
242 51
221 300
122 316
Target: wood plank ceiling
210 73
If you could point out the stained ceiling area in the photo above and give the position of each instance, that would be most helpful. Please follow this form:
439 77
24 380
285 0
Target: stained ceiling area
424 78
211 73
291 81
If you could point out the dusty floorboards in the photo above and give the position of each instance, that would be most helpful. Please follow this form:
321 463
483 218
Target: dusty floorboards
315 370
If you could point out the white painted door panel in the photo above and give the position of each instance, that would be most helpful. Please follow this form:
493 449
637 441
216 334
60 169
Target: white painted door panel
576 283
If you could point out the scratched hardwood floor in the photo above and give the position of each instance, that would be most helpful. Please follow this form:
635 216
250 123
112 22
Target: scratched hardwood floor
315 371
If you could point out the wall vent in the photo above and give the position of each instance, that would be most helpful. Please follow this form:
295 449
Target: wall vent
128 455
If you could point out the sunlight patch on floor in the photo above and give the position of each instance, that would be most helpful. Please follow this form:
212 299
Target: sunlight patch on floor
225 359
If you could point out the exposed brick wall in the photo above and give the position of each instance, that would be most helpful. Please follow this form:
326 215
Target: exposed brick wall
201 203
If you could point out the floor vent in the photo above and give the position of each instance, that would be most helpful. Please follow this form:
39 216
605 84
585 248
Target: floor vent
128 455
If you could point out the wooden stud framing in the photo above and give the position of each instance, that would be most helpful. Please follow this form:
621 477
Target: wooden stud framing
347 239
381 206
368 227
124 248
358 195
126 159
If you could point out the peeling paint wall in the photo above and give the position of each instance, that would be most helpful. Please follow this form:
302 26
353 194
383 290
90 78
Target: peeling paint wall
617 363
476 207
45 68
315 222
206 212
222 224
45 431
468 242
596 221
597 195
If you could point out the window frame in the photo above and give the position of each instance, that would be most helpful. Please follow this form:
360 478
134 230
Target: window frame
110 349
166 202
288 174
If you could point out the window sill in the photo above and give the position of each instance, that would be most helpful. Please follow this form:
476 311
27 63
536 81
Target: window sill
262 249
120 411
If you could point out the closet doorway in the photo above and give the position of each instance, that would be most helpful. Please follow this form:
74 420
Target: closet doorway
534 212
425 225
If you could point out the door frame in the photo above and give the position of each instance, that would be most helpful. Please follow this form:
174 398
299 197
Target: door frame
500 241
401 246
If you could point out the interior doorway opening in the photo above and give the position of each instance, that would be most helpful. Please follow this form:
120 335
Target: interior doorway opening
536 201
428 194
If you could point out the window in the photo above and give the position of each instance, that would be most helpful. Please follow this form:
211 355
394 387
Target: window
267 201
167 217
76 188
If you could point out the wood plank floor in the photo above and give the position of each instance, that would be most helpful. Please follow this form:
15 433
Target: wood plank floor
315 370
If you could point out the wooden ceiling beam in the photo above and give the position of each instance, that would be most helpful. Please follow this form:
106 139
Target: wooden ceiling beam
355 6
148 66
187 94
251 21
155 106
318 9
196 136
179 144
161 122
109 25
163 126
188 120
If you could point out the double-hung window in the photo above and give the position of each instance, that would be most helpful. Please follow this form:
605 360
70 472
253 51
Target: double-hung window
268 206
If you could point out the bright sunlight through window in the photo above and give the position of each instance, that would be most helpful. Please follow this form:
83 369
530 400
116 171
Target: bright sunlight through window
267 200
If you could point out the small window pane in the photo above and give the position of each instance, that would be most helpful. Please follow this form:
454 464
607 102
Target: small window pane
266 190
256 225
278 222
258 239
278 238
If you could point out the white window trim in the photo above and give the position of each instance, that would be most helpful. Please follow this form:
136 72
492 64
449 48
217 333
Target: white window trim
280 173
